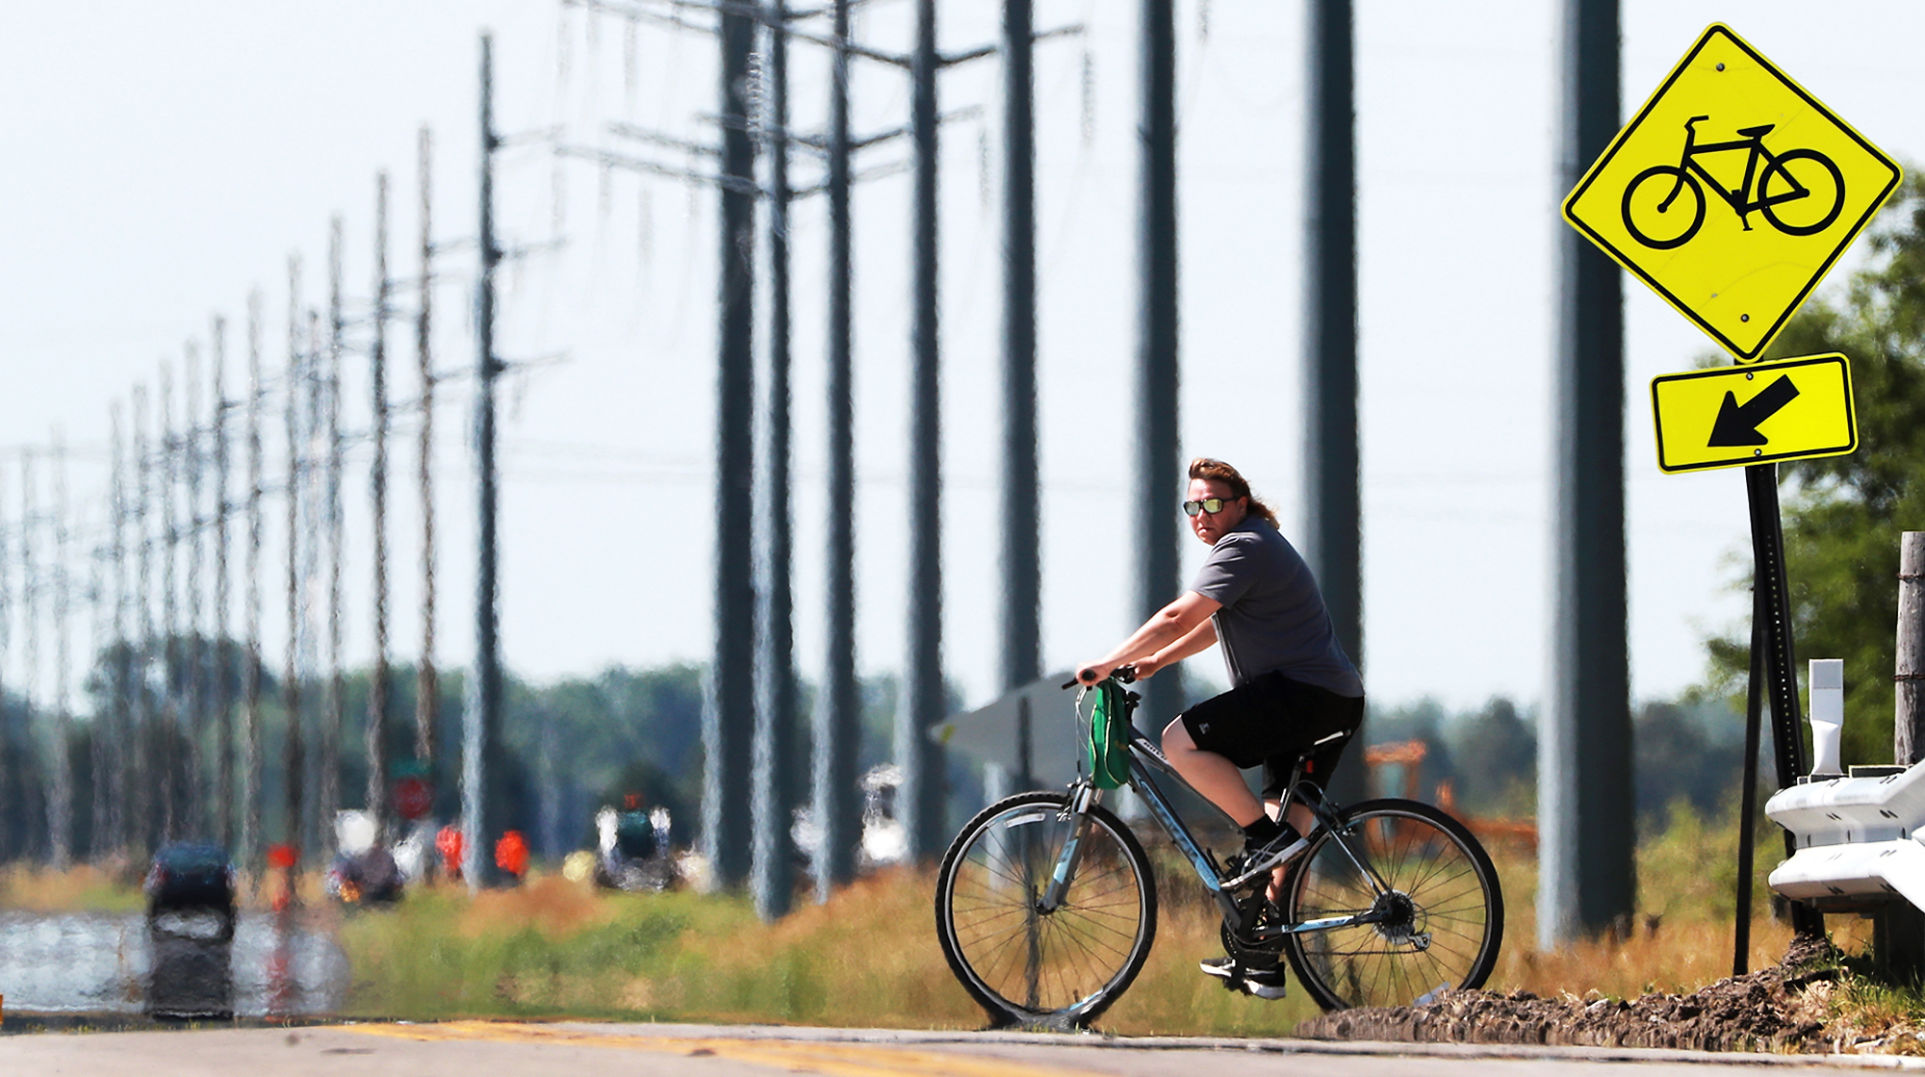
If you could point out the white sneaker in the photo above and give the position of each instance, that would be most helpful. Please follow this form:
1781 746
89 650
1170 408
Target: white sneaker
1262 983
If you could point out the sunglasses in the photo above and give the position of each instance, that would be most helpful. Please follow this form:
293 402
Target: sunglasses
1211 505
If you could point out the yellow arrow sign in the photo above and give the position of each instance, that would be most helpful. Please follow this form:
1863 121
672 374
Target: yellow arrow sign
1734 416
1732 192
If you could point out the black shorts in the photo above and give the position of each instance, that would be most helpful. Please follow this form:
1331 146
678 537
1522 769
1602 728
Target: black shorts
1271 721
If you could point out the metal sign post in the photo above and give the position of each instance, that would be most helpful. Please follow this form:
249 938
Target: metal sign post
1748 794
1772 609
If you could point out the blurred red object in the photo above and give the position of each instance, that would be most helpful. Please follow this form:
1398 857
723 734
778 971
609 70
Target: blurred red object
447 842
511 853
281 856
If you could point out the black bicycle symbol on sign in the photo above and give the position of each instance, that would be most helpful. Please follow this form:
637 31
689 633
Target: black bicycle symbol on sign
1799 191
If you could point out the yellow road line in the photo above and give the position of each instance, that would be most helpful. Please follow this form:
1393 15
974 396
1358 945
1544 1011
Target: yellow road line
837 1059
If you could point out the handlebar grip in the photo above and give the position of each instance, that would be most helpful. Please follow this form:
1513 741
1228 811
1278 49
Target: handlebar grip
1124 675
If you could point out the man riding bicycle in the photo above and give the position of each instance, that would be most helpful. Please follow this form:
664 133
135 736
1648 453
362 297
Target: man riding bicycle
1292 685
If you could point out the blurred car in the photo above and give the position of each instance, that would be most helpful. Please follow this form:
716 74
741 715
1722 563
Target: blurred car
188 883
190 978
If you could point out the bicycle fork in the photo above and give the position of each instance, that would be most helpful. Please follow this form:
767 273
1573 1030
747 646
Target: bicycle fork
1081 798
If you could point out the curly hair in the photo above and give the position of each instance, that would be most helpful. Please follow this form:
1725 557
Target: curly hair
1203 467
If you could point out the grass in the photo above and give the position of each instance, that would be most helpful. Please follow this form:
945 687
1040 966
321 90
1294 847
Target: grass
869 957
87 887
559 947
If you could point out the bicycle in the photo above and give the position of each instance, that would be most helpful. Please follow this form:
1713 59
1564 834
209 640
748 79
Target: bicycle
1046 901
1684 176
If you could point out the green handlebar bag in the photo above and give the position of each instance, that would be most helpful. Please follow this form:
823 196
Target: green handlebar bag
1107 751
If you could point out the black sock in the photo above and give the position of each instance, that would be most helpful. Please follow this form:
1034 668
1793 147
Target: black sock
1266 830
1261 831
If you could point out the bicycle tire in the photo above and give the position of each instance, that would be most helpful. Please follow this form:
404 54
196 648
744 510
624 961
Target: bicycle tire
1063 968
1443 891
1675 175
1781 165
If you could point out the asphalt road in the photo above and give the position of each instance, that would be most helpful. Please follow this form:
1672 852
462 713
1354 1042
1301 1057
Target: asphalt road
505 1049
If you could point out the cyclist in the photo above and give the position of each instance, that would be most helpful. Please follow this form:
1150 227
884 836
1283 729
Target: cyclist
1291 682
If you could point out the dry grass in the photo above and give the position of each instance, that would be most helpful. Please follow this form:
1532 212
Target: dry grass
870 957
551 906
97 887
1683 934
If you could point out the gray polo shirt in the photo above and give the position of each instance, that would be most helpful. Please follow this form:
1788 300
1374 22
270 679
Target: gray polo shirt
1273 616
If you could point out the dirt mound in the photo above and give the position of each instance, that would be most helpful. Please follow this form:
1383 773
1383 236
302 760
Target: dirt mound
1781 1008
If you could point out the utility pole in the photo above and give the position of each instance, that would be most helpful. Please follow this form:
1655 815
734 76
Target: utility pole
426 695
838 714
251 813
223 669
60 807
923 705
30 628
295 757
1022 523
194 646
377 724
774 742
327 401
29 612
835 785
110 818
481 811
1333 508
172 788
1158 478
1588 874
145 766
729 720
101 763
316 828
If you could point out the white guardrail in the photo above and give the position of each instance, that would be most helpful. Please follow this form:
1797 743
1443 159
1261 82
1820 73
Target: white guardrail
1858 838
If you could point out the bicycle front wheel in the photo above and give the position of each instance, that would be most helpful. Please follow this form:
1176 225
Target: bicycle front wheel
1432 913
1025 964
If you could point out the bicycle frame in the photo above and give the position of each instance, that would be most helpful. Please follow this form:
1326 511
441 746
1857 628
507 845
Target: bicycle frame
1145 761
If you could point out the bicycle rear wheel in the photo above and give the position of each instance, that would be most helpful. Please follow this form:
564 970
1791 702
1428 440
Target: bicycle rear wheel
1436 914
1022 964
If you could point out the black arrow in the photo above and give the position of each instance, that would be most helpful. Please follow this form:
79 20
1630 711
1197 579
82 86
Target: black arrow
1738 425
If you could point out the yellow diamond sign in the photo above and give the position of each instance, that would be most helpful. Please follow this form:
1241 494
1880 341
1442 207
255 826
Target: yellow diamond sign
1738 415
1732 192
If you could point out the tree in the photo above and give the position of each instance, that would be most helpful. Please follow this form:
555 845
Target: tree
1843 514
1681 759
1496 753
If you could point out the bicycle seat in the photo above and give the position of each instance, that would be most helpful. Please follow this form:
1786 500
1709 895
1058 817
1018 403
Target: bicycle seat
1325 741
1759 131
1301 766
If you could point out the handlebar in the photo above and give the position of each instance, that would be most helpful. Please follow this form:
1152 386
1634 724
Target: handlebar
1124 674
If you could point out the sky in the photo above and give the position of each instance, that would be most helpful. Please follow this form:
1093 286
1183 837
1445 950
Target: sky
165 162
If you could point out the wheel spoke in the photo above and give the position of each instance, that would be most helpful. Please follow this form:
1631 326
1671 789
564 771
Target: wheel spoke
1019 959
1440 888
